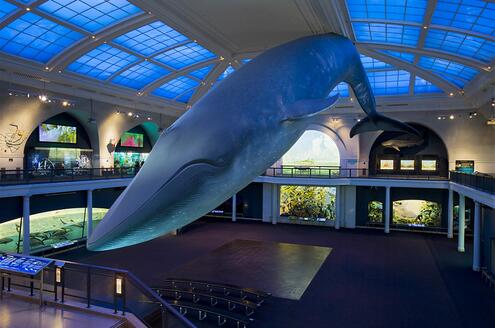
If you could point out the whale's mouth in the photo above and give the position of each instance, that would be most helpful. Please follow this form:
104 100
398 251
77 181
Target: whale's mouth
193 171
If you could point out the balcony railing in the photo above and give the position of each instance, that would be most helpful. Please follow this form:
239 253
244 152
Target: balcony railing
479 181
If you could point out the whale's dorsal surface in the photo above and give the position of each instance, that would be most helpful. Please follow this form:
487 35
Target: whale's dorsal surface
235 132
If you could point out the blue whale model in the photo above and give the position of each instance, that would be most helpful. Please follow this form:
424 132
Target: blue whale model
234 133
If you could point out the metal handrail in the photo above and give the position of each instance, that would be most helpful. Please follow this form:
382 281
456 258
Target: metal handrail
479 181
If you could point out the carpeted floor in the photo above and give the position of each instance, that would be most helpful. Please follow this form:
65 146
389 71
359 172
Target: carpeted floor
370 279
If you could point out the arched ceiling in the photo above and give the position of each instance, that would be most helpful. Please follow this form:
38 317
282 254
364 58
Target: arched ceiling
175 50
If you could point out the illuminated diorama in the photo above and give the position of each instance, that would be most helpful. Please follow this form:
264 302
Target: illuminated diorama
41 159
49 229
57 133
416 213
307 204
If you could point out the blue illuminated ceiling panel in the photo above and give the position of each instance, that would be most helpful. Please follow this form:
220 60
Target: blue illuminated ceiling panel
386 83
102 62
403 10
36 38
387 33
447 68
372 63
6 8
150 39
472 15
461 44
202 72
423 86
140 75
176 87
90 15
342 89
186 55
405 56
229 70
184 98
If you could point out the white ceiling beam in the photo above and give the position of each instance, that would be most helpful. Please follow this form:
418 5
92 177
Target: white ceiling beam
209 81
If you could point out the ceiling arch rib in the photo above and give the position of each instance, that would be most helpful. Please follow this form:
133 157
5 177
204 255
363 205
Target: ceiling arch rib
441 83
209 81
85 45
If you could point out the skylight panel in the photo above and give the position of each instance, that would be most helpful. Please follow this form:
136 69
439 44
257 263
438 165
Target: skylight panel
90 15
342 89
462 44
473 15
101 62
386 83
423 86
140 75
372 63
229 70
184 98
202 72
36 38
186 55
444 66
453 79
176 87
6 8
245 60
405 56
404 10
386 33
150 39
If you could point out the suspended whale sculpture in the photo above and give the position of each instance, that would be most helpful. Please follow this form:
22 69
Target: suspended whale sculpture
406 140
234 133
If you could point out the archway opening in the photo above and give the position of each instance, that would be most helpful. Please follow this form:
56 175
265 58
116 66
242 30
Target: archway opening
314 148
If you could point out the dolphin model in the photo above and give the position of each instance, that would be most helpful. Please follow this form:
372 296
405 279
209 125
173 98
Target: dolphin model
234 133
405 140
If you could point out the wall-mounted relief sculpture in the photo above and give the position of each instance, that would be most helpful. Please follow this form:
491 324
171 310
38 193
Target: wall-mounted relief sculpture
12 140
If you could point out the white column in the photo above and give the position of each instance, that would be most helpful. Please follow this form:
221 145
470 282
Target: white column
90 212
477 237
26 242
234 208
450 219
462 222
338 206
387 209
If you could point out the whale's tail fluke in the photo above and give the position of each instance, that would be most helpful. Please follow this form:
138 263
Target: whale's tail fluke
378 122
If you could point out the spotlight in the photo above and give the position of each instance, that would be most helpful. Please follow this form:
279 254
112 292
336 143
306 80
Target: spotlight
65 103
43 98
148 118
451 94
129 114
473 114
451 117
439 117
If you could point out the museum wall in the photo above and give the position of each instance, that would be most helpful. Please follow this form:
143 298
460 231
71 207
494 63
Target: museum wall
488 238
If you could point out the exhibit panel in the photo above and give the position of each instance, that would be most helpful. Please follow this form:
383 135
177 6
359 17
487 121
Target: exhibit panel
132 149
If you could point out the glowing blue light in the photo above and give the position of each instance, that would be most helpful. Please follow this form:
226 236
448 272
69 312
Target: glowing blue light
405 56
184 98
386 33
6 8
372 63
462 44
91 15
473 15
186 55
342 89
150 39
229 70
202 72
37 38
449 70
140 75
101 62
176 87
405 10
423 86
245 60
392 82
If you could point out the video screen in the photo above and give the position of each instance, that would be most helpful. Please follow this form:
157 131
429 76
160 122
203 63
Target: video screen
386 164
407 164
129 139
58 133
429 165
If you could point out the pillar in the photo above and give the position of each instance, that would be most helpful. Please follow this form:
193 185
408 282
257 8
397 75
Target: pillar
387 209
90 211
338 206
462 223
450 223
477 236
26 242
275 207
234 208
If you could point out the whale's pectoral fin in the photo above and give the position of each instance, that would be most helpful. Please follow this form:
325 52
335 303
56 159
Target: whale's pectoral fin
309 107
379 122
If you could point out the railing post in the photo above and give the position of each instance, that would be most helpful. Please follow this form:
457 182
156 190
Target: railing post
88 288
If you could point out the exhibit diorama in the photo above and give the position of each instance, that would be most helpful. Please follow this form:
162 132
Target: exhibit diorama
282 163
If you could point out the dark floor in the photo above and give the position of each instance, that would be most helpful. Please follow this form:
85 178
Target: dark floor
369 279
